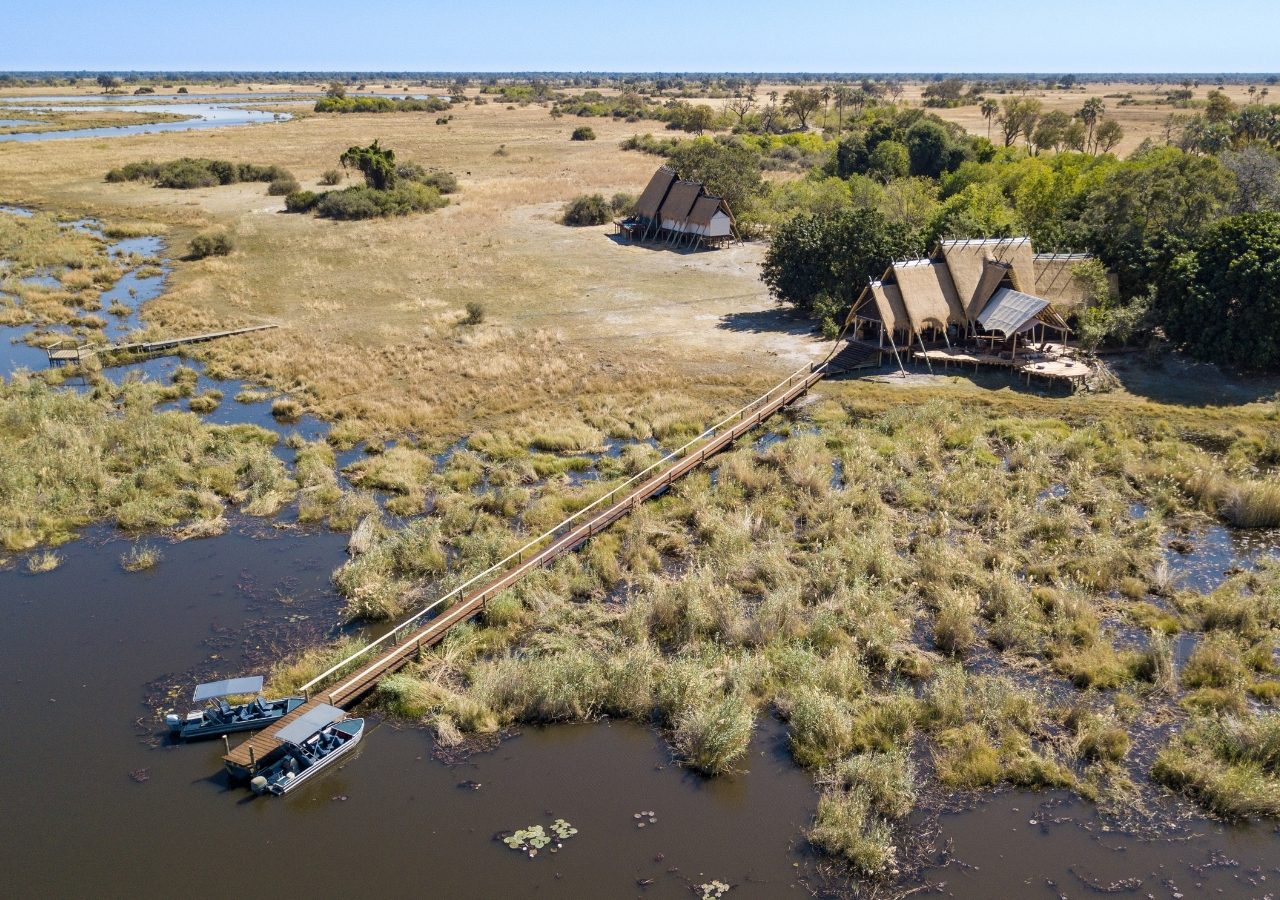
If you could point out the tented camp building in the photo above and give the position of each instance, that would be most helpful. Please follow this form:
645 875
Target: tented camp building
679 213
980 301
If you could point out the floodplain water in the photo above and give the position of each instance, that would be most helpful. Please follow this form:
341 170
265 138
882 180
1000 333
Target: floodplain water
97 801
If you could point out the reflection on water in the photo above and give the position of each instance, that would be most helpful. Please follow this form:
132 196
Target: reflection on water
203 115
90 655
1202 559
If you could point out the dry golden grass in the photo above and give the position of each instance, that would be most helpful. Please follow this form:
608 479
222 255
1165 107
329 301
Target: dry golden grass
373 310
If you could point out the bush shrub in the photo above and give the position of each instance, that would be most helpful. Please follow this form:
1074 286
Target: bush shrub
588 209
583 133
331 177
362 202
301 201
210 243
196 172
380 105
281 187
475 313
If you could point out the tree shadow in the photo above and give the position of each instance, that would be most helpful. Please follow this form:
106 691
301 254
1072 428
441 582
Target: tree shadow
771 321
1178 380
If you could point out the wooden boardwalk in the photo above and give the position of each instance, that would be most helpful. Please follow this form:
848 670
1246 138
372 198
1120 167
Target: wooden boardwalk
410 638
61 354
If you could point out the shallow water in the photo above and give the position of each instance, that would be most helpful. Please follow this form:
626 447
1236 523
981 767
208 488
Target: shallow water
205 115
91 656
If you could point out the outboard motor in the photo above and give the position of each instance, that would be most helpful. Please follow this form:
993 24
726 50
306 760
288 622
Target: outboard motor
258 784
174 721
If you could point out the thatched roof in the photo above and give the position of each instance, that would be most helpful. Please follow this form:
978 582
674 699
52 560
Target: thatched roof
966 262
928 294
1011 312
1056 282
654 193
679 202
883 303
705 208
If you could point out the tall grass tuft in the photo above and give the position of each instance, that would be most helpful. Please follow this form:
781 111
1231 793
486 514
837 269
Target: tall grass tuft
140 557
712 738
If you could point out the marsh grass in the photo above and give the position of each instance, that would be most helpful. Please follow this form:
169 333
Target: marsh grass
109 456
764 588
141 557
44 561
1230 765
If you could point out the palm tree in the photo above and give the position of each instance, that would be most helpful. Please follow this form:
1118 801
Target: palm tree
990 109
1090 113
842 97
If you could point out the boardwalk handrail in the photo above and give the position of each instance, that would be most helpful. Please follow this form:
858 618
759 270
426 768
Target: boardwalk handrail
676 454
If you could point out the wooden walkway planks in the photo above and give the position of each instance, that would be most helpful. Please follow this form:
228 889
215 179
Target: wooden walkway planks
59 353
245 758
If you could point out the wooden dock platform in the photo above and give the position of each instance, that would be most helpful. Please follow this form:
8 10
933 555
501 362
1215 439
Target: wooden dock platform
417 633
66 353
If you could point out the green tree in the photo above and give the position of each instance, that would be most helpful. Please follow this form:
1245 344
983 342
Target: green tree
1219 107
1018 116
1089 115
731 171
376 163
888 161
1157 199
698 119
826 260
1109 134
336 89
990 109
1221 298
801 103
933 148
1050 130
978 211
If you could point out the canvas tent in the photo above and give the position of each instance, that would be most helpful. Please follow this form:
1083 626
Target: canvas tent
1011 312
679 212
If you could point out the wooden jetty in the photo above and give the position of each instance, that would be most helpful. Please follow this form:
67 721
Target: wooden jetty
356 675
70 353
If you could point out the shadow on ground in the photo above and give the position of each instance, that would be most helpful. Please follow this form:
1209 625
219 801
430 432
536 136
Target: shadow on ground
1175 379
764 321
659 245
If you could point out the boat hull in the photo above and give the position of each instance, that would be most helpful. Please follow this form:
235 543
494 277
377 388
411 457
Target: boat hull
202 730
269 783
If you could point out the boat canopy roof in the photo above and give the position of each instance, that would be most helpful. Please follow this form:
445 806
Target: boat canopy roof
250 685
309 723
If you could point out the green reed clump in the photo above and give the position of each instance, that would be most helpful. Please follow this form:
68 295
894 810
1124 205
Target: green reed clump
109 456
1229 765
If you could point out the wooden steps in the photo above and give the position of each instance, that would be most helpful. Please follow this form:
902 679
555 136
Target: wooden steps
855 355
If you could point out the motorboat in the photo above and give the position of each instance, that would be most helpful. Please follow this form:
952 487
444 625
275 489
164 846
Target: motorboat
311 743
219 717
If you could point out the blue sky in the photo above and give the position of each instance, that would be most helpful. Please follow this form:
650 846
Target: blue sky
653 35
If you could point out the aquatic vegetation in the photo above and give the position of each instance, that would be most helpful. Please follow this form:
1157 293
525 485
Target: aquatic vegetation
44 561
534 838
140 557
713 738
1230 765
109 456
286 409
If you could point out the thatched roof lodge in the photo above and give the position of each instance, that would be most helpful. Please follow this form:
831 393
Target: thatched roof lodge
990 294
679 212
